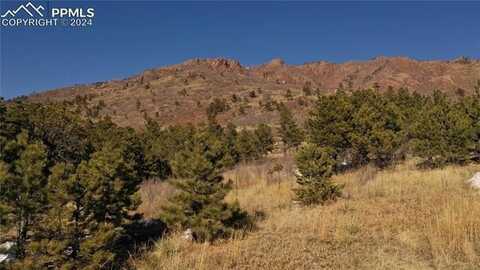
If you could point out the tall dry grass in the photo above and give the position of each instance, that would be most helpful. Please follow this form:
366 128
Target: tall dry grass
401 218
154 194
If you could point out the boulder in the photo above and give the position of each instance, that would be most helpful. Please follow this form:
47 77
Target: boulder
474 182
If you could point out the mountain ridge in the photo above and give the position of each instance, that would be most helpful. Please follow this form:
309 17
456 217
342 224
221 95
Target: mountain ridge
179 93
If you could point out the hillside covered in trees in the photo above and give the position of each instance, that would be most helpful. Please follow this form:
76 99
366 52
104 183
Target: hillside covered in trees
69 183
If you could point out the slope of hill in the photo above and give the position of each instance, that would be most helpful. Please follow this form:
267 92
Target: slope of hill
402 218
180 93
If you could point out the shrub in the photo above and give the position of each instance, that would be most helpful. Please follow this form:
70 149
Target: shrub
183 92
216 107
307 89
267 103
288 94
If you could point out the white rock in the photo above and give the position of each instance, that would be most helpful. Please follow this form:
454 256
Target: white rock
474 182
188 235
7 246
6 252
3 257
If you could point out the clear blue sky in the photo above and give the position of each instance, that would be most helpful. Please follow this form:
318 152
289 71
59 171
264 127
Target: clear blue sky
130 36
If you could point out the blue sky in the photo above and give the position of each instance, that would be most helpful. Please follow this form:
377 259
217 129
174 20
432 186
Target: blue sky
130 36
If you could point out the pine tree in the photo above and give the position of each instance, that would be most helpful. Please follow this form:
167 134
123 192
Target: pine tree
155 158
471 106
3 126
232 156
89 205
22 187
315 167
330 123
3 111
443 133
364 126
290 133
264 139
377 133
199 204
246 145
67 185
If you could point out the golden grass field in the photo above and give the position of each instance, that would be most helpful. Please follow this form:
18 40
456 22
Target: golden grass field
402 218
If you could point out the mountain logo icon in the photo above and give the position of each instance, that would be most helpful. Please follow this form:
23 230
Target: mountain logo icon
29 8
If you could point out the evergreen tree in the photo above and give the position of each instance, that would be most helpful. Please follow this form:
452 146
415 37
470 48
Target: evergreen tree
88 207
471 106
199 205
330 123
474 115
246 145
22 187
264 139
67 185
64 133
3 111
231 135
173 139
315 167
155 158
215 134
290 133
443 133
377 132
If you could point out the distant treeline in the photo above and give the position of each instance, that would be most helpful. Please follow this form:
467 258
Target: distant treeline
366 126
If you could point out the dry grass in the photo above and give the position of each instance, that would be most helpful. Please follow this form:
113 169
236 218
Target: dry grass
154 194
397 219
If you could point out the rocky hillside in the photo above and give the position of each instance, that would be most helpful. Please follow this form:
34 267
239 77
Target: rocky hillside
181 93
